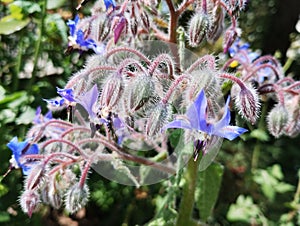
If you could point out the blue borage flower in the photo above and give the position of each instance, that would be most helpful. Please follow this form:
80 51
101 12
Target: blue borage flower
197 120
78 41
20 149
66 95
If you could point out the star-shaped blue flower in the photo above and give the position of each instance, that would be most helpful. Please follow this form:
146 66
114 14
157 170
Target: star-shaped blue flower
78 41
66 95
20 149
197 120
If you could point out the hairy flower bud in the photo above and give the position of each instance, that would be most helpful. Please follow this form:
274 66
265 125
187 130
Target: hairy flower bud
35 178
277 120
230 35
145 21
112 91
100 29
158 117
247 102
139 90
197 28
76 198
29 201
216 25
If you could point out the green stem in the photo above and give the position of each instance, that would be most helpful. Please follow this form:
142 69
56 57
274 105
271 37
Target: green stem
15 82
38 44
188 196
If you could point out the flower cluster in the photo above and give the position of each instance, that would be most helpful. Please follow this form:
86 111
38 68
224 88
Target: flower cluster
126 103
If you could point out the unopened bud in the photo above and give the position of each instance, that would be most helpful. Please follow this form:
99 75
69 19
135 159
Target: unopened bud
158 117
197 28
133 26
247 102
230 35
277 120
140 90
112 91
217 24
145 21
35 178
76 198
100 29
29 201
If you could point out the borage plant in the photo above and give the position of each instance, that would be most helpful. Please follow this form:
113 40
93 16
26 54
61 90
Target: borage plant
141 111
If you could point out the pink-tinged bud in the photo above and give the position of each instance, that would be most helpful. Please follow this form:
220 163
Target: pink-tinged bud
76 198
230 35
35 178
100 29
133 26
121 25
145 21
247 102
139 90
112 91
158 118
197 28
216 25
277 120
29 201
292 106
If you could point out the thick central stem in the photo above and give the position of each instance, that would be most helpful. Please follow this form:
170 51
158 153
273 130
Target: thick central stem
188 197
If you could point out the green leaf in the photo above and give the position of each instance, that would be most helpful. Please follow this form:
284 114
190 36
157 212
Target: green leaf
207 190
4 217
2 93
26 117
244 210
10 26
3 190
54 4
16 12
28 7
259 134
7 116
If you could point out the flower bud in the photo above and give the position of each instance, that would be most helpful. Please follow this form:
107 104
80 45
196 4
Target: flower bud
145 21
277 120
133 26
230 35
140 90
76 198
100 29
216 25
29 201
247 102
158 117
35 178
112 91
197 28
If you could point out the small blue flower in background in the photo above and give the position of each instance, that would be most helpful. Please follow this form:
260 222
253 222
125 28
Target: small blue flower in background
109 3
78 41
197 120
67 96
20 149
39 118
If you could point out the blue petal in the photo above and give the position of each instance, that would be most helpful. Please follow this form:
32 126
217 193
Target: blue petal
66 94
177 124
225 120
72 25
109 3
33 150
56 103
89 99
196 113
230 132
